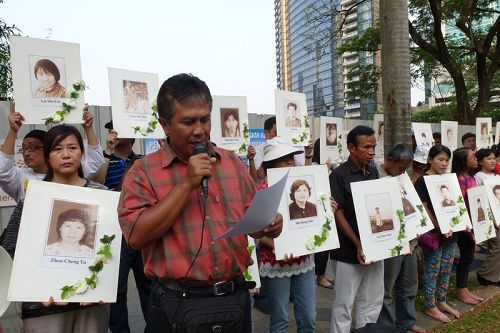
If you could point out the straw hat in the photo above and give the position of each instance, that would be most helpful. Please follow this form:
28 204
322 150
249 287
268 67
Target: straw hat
277 147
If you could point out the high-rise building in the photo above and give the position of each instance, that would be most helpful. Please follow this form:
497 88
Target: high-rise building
306 59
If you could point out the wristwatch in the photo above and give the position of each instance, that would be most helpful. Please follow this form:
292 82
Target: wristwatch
106 155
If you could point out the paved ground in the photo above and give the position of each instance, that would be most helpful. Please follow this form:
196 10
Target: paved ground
10 322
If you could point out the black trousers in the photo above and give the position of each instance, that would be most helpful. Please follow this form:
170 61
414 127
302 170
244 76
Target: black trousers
165 306
466 245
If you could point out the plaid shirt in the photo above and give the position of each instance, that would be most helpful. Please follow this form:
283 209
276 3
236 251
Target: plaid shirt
231 189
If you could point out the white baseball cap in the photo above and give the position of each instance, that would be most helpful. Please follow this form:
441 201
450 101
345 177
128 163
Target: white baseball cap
277 147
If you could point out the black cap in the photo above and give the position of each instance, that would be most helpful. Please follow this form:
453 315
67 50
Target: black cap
109 125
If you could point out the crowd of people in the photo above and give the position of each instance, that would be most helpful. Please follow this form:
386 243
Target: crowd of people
189 282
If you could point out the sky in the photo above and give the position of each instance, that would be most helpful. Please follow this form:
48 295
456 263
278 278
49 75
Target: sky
230 44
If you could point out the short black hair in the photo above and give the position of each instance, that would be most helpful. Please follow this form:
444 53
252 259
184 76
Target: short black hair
48 67
184 89
401 152
436 135
467 136
352 136
269 123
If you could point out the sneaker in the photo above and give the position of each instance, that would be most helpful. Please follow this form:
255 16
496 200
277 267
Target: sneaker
262 307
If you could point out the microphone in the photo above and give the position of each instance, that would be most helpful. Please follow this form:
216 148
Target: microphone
200 149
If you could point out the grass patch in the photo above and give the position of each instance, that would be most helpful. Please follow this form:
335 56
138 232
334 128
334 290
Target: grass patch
483 318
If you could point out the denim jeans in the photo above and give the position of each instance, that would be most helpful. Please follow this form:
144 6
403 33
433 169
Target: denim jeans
400 274
129 259
301 290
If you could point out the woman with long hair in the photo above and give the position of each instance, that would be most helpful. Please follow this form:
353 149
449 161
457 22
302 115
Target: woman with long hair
437 262
63 150
489 272
463 164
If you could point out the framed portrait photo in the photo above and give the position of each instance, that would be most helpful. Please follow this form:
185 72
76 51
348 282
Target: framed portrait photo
418 221
423 135
308 223
449 134
492 187
60 237
331 144
230 123
378 208
481 214
484 133
43 73
291 117
133 95
497 133
448 202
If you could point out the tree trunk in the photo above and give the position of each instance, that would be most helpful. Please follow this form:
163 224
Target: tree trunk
396 81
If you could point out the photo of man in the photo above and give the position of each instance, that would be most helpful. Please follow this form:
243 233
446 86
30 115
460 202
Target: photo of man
484 132
481 216
230 123
447 200
47 77
293 115
379 211
424 141
496 192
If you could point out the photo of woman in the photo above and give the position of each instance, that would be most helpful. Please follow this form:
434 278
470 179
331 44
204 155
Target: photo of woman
331 134
230 123
73 229
47 76
380 131
484 132
300 192
408 208
480 211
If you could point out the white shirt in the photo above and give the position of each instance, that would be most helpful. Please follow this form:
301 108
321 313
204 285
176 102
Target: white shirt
481 176
12 178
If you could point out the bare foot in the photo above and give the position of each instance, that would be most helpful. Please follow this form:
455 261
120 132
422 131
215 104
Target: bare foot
438 315
444 307
417 329
476 297
464 295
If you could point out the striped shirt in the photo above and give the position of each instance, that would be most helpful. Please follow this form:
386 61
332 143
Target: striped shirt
116 170
230 191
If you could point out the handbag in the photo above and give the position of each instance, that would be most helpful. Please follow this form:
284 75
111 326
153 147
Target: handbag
430 240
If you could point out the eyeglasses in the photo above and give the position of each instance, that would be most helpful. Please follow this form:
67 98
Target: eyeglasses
31 149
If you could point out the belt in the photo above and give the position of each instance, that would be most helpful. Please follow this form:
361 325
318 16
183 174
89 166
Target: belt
220 288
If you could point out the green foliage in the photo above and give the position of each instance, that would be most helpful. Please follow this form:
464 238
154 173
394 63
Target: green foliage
396 250
6 31
435 114
369 41
424 220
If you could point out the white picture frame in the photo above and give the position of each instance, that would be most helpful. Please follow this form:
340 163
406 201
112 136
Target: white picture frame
229 119
492 185
423 135
40 270
418 221
6 264
300 226
345 151
132 95
484 133
377 203
497 133
330 139
378 127
481 214
291 117
448 202
252 273
43 72
449 134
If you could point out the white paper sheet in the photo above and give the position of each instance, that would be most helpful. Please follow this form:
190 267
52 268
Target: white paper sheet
6 265
261 212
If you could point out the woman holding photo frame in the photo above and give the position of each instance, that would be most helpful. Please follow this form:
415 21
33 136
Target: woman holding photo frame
63 150
464 162
437 261
291 278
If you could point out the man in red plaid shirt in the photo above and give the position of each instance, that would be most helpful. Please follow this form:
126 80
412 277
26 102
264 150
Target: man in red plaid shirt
164 212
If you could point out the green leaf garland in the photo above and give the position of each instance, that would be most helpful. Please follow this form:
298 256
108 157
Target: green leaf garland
68 105
396 250
317 240
304 135
152 124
